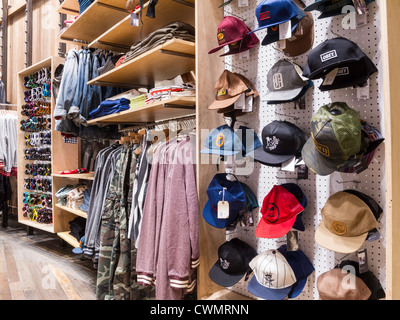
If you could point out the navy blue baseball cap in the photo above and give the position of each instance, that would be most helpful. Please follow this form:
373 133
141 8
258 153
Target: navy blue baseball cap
273 12
222 141
301 266
301 197
234 194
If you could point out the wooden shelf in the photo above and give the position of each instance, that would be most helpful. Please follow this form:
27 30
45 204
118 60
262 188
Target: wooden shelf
37 225
76 212
69 238
163 110
173 58
83 176
70 7
95 20
123 35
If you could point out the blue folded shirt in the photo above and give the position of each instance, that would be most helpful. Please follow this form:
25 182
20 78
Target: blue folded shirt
108 107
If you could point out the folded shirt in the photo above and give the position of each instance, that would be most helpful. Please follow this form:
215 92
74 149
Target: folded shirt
108 107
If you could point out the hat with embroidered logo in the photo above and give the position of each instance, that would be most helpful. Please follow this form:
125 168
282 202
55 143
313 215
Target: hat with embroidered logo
228 89
354 67
222 141
335 138
234 33
234 257
279 212
284 82
346 222
281 141
273 12
273 276
222 188
273 32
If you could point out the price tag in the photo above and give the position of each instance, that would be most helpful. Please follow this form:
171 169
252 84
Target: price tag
330 77
241 102
363 92
362 260
285 30
361 20
289 165
223 210
300 72
243 3
134 19
245 55
281 44
248 104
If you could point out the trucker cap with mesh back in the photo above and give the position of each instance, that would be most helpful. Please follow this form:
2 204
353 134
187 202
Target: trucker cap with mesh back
335 137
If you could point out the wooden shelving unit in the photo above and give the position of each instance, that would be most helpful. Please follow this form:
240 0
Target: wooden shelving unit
123 35
68 238
70 7
168 109
83 176
76 212
173 58
95 20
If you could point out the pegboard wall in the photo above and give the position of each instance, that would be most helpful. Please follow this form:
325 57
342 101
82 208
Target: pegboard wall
317 188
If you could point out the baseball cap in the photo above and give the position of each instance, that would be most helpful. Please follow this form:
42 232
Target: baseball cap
302 199
335 137
273 12
279 211
273 32
331 285
370 280
301 266
249 139
273 276
233 262
222 141
233 194
251 199
346 222
330 8
283 82
228 89
234 33
281 141
79 249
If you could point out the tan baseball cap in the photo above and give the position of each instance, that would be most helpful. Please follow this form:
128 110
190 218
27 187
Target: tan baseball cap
346 221
228 89
302 38
337 284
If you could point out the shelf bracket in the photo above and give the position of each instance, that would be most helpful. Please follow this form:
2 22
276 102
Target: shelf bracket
178 106
185 3
180 54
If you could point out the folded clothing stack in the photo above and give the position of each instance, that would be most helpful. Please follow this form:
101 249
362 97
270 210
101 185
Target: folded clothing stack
84 4
86 200
110 64
77 228
108 107
61 194
75 197
138 101
177 30
168 92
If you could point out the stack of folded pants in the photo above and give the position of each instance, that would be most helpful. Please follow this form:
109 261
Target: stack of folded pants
175 30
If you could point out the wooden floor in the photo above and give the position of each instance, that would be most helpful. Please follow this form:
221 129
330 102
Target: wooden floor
39 267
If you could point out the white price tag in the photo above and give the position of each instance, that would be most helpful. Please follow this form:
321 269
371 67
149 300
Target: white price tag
361 20
281 44
134 19
330 77
245 55
223 210
285 30
243 3
248 104
241 102
363 92
289 165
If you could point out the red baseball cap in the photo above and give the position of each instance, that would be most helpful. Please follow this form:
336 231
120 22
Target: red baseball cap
233 32
279 211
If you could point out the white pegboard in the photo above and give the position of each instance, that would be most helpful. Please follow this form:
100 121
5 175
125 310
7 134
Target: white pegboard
317 188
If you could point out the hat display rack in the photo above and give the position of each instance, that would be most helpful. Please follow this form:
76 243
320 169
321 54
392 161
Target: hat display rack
316 188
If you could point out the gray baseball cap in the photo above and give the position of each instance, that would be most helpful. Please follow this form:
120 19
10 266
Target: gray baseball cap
284 82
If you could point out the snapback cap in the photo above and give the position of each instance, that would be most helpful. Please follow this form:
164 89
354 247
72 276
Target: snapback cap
281 141
279 212
335 137
346 222
295 190
273 276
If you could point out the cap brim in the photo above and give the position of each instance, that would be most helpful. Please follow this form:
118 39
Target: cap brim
274 231
260 291
268 158
316 161
222 278
316 5
223 45
77 250
297 288
283 95
210 215
219 152
219 104
336 243
298 224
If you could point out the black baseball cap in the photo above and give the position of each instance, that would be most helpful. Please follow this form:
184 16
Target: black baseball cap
339 53
281 141
302 199
233 262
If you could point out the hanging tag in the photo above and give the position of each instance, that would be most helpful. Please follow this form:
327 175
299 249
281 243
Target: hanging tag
360 6
245 55
281 44
302 172
223 207
330 77
289 165
361 20
292 241
300 104
300 72
363 92
285 30
248 106
362 261
241 102
134 19
243 3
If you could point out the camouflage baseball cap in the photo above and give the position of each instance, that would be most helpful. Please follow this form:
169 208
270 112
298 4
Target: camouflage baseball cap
335 137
